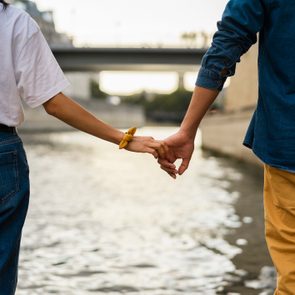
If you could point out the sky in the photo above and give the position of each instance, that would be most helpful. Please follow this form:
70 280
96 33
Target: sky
94 22
136 23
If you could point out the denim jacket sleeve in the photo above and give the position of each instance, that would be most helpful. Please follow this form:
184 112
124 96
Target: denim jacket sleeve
237 32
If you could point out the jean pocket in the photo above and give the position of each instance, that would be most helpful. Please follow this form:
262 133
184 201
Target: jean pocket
9 180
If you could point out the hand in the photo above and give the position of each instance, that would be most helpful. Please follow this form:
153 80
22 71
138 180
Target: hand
180 146
146 144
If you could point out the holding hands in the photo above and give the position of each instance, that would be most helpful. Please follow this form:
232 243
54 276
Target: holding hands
143 144
181 144
147 144
177 146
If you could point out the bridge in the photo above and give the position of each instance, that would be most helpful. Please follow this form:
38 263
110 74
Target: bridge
128 59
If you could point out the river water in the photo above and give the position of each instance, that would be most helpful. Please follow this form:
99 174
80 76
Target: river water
103 221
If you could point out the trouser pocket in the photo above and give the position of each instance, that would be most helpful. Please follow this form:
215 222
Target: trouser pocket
9 176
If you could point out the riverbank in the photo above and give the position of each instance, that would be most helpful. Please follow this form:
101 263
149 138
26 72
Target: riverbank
224 133
258 275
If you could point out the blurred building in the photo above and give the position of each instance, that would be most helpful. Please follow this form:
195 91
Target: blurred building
46 22
242 93
224 132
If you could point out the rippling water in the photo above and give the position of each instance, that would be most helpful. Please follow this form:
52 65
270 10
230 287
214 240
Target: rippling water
104 221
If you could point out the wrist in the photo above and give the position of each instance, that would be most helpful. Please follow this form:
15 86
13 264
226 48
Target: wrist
188 133
127 138
117 138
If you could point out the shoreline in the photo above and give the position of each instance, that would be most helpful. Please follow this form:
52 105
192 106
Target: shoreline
254 259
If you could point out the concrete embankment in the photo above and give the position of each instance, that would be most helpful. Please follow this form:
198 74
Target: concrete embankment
224 134
122 116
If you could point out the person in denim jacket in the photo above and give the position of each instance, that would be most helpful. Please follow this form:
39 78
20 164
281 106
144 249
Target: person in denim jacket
271 133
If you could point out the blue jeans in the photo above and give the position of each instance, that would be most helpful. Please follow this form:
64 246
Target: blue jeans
14 201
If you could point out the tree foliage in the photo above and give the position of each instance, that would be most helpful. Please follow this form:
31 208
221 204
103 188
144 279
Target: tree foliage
96 91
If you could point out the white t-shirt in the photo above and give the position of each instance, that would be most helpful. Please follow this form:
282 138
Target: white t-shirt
28 69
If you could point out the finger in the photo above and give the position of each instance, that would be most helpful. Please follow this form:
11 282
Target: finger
172 175
165 146
161 151
183 166
159 147
169 171
166 163
153 152
169 155
165 149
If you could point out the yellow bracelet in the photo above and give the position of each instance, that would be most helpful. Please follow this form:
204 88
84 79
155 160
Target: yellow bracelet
128 136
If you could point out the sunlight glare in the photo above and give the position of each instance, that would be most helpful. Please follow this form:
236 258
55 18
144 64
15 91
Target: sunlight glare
127 83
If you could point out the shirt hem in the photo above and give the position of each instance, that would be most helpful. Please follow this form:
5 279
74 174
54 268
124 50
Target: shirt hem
267 162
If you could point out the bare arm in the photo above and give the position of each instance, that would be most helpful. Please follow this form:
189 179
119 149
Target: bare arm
202 99
70 112
181 144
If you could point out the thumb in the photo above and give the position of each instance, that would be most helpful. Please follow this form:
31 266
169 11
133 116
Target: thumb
184 165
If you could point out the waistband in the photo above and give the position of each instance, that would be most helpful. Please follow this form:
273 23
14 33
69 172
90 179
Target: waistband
7 129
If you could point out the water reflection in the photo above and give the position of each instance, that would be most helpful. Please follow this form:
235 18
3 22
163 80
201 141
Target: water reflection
108 222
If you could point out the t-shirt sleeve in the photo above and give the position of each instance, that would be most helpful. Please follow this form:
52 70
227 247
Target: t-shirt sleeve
38 75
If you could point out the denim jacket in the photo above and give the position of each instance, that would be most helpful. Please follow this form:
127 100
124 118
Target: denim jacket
271 133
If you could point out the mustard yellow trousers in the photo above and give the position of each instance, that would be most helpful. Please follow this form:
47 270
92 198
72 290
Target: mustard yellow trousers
279 205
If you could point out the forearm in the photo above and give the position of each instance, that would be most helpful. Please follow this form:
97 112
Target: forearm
68 111
202 99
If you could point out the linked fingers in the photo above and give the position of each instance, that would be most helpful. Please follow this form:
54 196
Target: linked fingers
160 147
165 163
171 172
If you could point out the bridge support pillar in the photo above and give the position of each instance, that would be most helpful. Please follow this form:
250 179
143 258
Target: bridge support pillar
181 80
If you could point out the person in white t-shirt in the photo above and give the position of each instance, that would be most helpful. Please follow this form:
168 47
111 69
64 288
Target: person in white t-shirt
29 73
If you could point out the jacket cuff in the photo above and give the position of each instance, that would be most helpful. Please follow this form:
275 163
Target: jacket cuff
209 79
